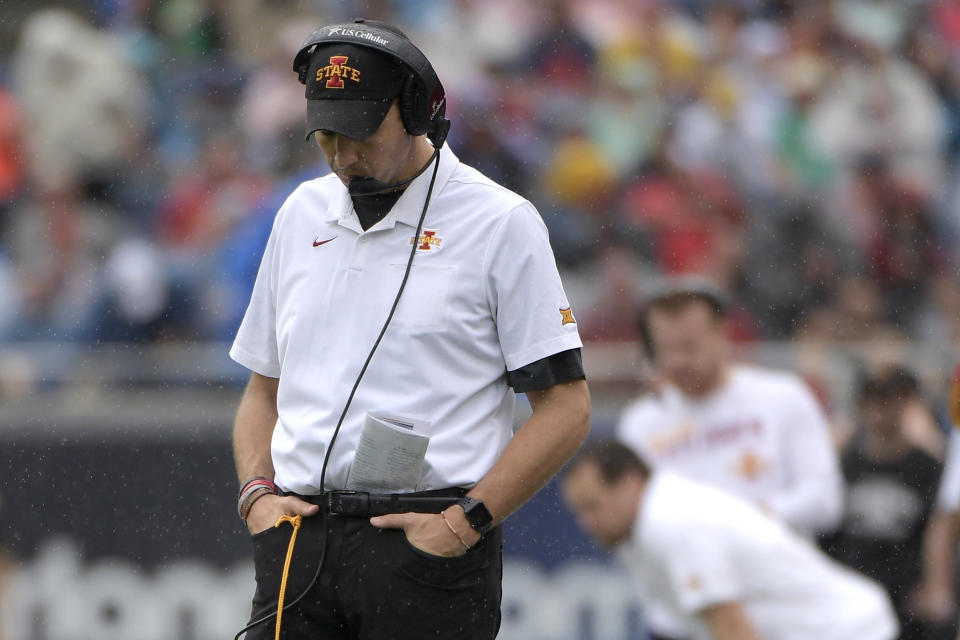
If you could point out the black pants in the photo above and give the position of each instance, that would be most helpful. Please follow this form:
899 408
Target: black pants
374 585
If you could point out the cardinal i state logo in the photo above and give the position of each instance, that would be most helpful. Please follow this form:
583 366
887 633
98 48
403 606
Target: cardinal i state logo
336 72
428 241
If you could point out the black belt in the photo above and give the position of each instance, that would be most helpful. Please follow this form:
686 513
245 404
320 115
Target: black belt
360 504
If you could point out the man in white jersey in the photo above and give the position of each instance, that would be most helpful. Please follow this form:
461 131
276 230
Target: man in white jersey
403 285
721 567
756 433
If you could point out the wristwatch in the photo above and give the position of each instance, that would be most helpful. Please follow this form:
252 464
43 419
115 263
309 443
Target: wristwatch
477 514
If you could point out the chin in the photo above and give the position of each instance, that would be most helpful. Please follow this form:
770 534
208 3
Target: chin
693 386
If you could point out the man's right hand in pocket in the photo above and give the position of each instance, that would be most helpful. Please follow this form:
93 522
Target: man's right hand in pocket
269 508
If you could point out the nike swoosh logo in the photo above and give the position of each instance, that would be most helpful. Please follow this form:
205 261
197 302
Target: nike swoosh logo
317 244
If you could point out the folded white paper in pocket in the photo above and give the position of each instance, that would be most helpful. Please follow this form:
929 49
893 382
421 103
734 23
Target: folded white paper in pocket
389 456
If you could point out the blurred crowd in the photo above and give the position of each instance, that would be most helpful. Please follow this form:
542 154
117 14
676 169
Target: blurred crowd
803 154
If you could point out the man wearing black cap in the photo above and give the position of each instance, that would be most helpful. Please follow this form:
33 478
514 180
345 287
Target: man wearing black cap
402 301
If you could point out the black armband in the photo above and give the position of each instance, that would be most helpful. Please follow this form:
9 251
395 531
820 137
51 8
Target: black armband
547 372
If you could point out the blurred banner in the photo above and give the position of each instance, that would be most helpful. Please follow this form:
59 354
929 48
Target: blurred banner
131 533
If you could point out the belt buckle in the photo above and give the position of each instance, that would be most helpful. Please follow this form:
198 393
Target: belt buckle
348 503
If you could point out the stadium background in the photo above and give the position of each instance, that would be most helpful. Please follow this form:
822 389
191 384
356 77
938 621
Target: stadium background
802 154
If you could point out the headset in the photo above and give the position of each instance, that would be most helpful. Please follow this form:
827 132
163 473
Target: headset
422 100
422 108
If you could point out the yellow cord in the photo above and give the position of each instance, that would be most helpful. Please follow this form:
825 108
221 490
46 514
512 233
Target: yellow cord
296 521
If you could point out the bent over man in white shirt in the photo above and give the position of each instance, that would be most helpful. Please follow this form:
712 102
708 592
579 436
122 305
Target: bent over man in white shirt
723 569
403 284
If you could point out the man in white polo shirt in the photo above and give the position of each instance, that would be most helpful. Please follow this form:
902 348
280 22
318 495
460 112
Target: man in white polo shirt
722 568
408 286
757 433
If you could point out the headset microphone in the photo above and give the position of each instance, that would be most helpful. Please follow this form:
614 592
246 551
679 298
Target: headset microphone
362 186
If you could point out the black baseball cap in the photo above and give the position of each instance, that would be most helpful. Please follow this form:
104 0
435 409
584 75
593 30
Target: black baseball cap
350 89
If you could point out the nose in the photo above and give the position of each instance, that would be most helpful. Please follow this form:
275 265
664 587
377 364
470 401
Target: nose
345 151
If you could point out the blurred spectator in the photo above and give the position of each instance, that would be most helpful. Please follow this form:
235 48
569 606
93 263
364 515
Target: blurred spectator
12 167
205 205
60 284
694 218
616 293
891 487
137 293
560 55
270 105
756 433
201 211
85 106
880 103
578 184
803 161
802 153
854 311
896 235
945 17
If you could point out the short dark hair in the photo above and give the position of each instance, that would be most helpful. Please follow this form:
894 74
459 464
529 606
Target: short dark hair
613 460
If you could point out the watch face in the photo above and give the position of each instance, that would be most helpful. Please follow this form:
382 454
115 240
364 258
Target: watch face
477 514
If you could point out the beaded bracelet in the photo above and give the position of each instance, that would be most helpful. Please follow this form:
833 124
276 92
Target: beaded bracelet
259 480
252 490
244 507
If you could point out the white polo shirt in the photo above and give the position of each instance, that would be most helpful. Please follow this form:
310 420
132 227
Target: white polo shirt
694 546
761 436
483 297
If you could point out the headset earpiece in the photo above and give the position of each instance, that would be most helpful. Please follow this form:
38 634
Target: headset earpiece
408 107
301 62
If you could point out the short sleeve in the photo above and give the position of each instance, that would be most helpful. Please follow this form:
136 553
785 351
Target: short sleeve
948 498
811 499
699 570
255 346
533 317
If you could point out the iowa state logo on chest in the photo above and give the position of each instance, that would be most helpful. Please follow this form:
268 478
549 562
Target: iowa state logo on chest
428 240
